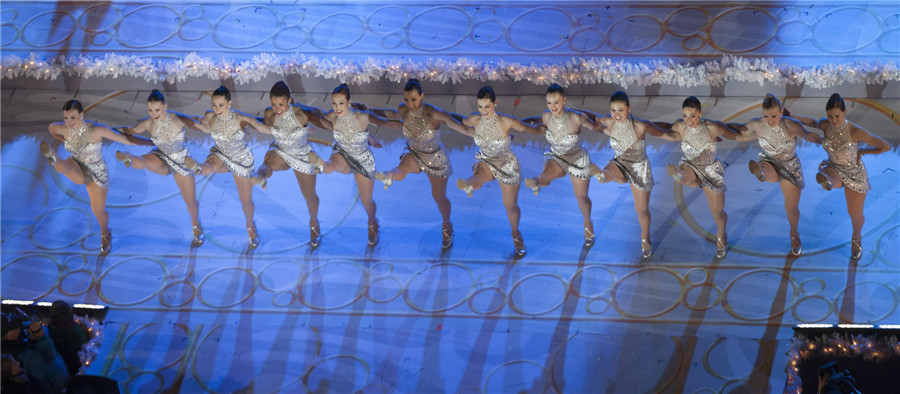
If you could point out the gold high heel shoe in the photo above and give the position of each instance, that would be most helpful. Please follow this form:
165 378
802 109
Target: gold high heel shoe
756 170
673 172
464 186
374 230
315 235
721 246
48 153
597 173
199 237
447 237
124 158
316 161
532 184
519 245
646 248
824 181
588 237
387 179
856 254
192 165
105 243
259 181
253 236
796 250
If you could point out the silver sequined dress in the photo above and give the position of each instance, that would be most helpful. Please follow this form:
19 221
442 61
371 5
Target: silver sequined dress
631 155
231 145
780 150
292 142
699 151
495 150
169 141
424 144
566 148
352 142
843 152
88 155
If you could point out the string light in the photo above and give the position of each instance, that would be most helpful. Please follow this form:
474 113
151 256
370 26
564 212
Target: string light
876 350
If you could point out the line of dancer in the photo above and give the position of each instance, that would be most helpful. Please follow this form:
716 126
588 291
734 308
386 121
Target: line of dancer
289 124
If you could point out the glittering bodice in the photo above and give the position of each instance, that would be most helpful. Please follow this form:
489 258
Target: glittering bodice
288 133
417 132
624 142
166 135
349 135
841 147
78 145
560 135
227 131
698 147
490 138
777 143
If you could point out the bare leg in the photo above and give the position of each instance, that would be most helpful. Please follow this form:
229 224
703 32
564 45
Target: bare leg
481 176
307 184
716 203
551 171
829 178
684 175
642 207
439 193
792 209
770 174
612 173
245 193
580 187
337 163
188 188
365 186
513 213
212 165
855 203
272 162
70 169
97 196
150 162
407 165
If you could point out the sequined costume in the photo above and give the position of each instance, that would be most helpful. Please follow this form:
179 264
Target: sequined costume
780 150
88 155
352 142
169 141
631 155
231 145
566 148
843 153
291 142
699 151
495 150
424 144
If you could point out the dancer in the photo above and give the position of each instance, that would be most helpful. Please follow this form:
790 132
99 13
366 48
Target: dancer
700 167
424 152
231 152
351 149
567 154
83 139
166 130
778 161
495 158
844 166
630 164
291 150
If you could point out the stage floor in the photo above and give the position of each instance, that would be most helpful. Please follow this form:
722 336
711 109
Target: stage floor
404 316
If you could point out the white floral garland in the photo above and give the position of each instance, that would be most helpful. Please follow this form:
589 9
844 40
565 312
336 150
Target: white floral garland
573 71
89 350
